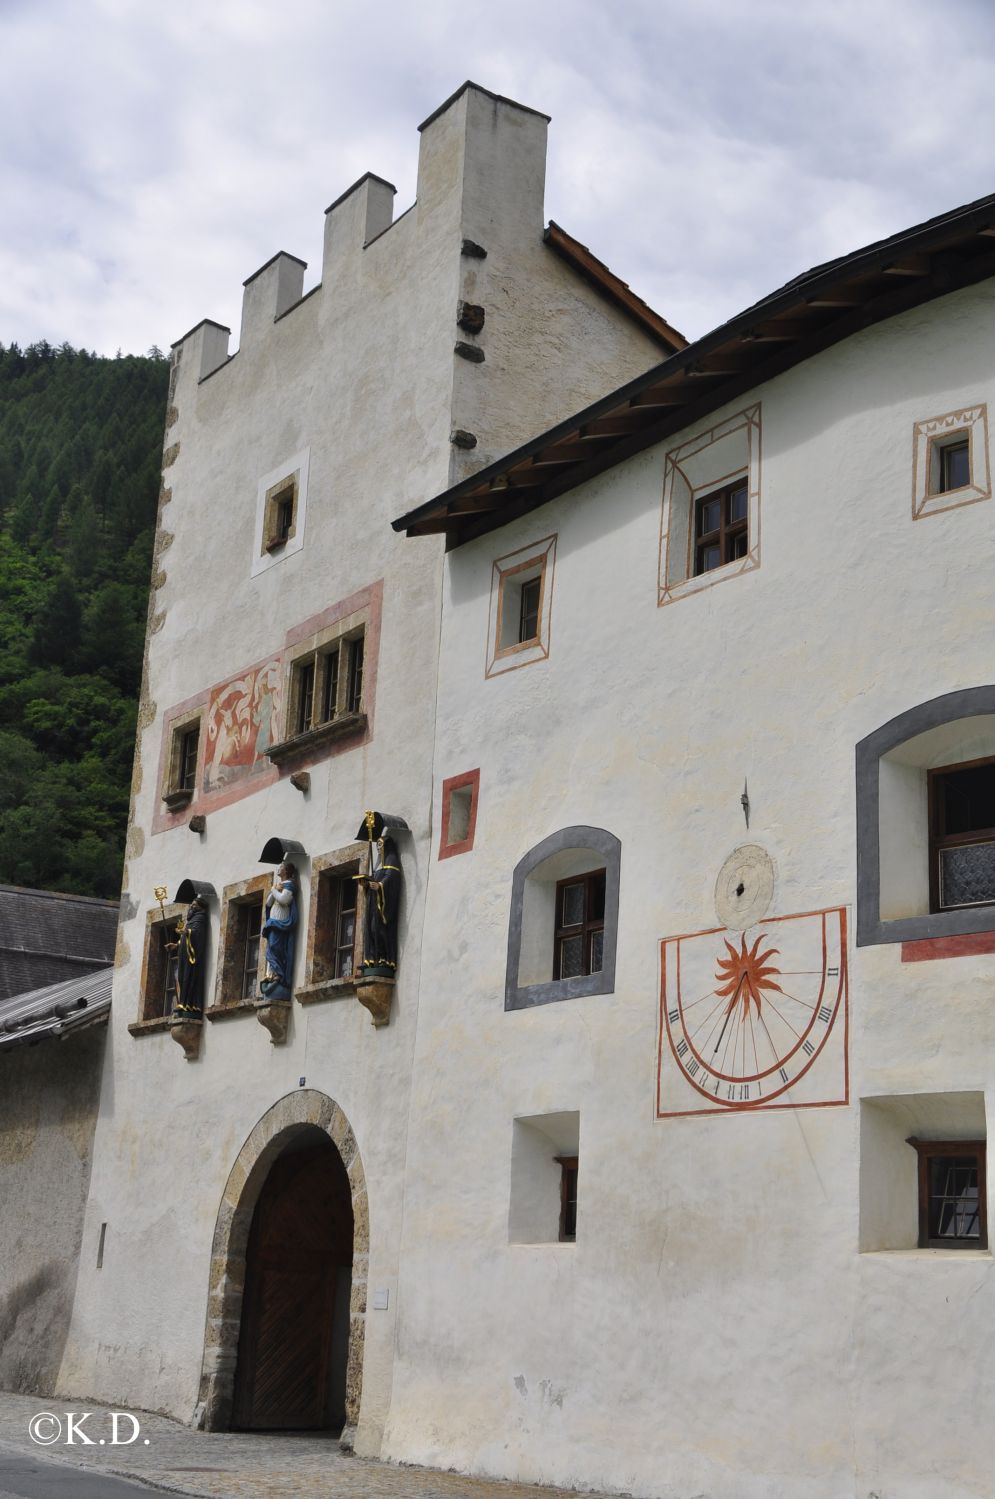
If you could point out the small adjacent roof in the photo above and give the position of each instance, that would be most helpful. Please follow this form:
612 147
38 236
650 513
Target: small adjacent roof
810 313
612 287
46 937
55 1010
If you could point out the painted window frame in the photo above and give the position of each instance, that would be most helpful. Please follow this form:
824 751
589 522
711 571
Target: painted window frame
929 437
536 559
468 781
687 480
969 702
581 838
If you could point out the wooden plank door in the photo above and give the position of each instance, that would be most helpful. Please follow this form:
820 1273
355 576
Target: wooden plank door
295 1245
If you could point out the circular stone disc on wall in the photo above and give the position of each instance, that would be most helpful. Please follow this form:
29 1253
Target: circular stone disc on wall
745 887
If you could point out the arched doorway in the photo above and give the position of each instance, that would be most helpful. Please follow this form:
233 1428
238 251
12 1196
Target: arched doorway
294 1338
300 1119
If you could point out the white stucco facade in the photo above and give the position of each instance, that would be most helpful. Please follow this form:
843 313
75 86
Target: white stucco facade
351 393
744 1313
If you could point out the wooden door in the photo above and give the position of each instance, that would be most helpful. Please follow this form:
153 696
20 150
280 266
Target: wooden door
301 1235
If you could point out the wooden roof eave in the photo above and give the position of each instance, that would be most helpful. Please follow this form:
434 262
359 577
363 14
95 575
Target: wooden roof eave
800 320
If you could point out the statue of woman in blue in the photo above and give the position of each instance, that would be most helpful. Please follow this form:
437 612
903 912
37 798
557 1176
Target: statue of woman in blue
278 930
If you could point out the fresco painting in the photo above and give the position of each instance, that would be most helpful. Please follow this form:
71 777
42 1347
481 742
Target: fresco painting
241 720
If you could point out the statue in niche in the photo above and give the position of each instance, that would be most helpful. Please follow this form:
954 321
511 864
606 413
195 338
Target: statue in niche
382 882
190 949
279 930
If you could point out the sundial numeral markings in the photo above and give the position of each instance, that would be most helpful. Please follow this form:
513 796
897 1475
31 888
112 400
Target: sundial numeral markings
833 972
682 1047
673 1016
692 1068
825 1013
784 1075
808 1048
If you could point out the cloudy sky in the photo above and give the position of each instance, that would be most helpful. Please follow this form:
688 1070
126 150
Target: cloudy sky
156 154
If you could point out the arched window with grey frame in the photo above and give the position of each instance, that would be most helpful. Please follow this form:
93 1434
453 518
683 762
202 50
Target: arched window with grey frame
563 928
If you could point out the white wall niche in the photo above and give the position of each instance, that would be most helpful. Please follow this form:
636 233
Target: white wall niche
534 1200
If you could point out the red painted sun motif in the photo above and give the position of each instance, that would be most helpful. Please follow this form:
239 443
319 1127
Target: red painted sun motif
744 975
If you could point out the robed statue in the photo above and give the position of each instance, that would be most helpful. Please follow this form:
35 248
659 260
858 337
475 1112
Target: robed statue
190 949
382 882
279 931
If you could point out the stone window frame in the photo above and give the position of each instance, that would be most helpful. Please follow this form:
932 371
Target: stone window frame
340 863
581 837
228 998
153 975
280 494
538 558
174 796
272 487
676 578
317 648
468 781
936 432
970 702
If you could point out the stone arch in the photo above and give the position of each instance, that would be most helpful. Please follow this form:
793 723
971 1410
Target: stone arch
289 1116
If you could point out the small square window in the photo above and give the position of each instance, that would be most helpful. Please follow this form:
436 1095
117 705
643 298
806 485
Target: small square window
580 926
338 944
459 813
950 461
721 527
334 944
280 514
953 465
521 595
184 750
952 1194
242 948
962 835
568 1165
159 966
250 926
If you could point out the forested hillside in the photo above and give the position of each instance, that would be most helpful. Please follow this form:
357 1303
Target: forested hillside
80 451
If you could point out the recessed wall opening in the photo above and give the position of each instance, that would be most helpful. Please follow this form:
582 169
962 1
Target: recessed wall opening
898 1135
545 1179
564 918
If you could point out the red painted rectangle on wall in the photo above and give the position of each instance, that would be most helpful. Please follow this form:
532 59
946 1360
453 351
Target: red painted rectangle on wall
967 946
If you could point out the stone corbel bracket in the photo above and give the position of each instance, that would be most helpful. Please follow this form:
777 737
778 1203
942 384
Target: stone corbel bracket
187 1033
274 1014
376 995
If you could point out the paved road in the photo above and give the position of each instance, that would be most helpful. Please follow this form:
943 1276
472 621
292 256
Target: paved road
26 1477
211 1465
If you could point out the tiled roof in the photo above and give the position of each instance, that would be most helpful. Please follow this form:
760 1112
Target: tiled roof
53 1011
46 937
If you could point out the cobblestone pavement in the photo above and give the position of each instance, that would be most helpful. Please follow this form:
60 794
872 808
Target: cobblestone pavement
226 1465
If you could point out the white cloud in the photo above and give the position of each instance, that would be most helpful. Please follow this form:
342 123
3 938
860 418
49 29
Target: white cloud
707 151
